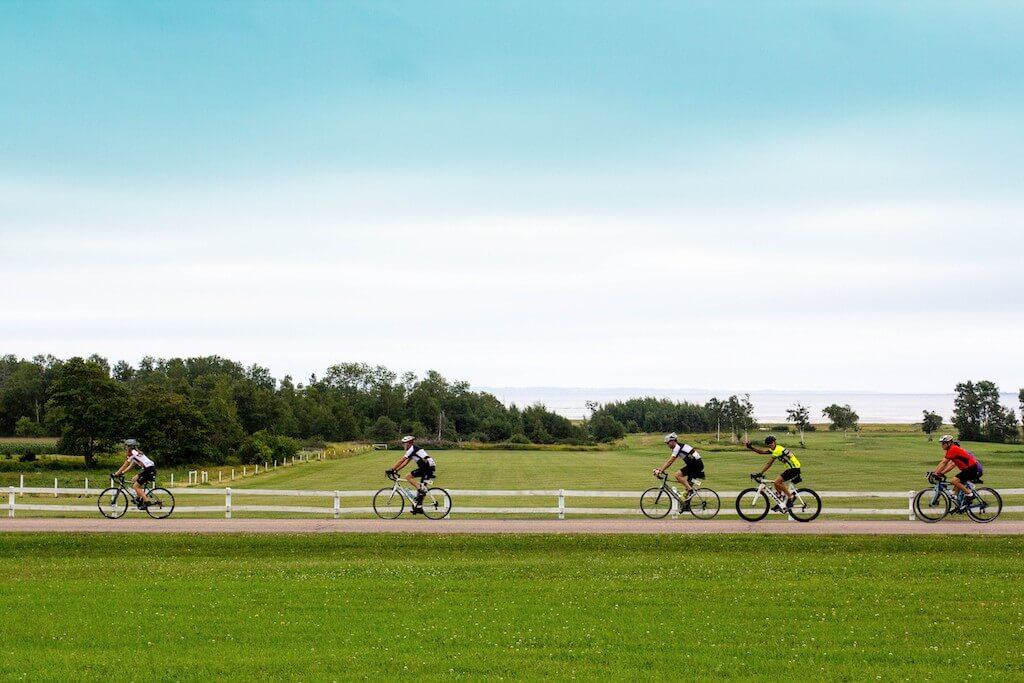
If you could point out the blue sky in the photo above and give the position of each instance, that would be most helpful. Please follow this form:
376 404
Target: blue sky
743 195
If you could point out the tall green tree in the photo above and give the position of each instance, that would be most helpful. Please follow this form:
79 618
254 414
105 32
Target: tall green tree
841 417
800 415
90 409
980 416
931 423
171 429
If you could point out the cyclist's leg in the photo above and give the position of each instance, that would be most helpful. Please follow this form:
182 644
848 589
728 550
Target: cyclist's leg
780 487
683 479
137 487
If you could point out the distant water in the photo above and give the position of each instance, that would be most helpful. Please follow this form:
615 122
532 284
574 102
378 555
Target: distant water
769 406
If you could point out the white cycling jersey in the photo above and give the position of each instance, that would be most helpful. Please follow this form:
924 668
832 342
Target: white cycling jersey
419 455
140 458
686 452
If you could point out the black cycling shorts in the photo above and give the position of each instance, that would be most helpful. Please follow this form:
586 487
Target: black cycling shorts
972 473
693 470
147 475
790 474
424 471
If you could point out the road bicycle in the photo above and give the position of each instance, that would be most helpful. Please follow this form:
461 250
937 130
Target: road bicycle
389 503
113 502
754 504
933 504
658 501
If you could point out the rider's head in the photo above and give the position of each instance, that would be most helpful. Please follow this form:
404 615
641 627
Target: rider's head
131 443
407 439
946 441
670 438
769 440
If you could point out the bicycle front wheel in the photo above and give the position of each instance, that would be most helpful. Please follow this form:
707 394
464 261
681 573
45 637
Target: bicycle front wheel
388 503
656 502
806 505
986 506
927 510
704 504
436 504
752 505
161 503
113 503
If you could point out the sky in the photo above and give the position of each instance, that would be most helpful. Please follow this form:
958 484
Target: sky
743 195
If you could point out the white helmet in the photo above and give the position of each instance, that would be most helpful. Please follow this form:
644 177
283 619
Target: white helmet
670 437
408 438
945 438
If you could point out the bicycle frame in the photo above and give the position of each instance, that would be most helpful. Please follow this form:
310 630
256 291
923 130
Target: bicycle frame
767 487
410 494
945 488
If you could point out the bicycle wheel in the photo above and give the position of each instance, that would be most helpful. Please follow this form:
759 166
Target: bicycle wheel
704 504
928 511
752 505
388 503
161 503
806 505
437 503
986 506
656 502
112 503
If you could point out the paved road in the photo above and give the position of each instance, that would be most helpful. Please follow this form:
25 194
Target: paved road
500 526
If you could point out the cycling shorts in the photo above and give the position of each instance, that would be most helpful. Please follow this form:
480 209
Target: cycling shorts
693 470
424 471
972 473
147 475
790 474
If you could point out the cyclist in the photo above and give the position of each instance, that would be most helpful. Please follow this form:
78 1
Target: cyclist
425 469
693 465
970 468
784 456
148 474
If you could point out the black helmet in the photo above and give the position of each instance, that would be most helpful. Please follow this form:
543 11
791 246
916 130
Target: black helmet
769 439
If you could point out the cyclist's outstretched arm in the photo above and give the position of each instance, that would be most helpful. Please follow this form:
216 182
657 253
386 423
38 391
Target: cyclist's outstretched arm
667 464
400 464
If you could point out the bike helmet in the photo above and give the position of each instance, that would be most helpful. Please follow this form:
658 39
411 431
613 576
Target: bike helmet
131 442
408 439
946 438
769 439
671 437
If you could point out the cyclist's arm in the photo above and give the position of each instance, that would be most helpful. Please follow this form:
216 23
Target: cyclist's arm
767 465
668 462
945 465
124 468
756 449
400 464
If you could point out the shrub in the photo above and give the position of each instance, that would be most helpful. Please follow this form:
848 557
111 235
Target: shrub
518 438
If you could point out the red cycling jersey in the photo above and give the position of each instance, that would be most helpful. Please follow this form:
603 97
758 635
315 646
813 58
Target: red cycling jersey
961 458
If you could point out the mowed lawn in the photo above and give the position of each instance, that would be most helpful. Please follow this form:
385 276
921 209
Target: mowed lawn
387 607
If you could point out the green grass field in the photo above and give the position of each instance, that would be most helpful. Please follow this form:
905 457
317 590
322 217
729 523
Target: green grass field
891 460
321 608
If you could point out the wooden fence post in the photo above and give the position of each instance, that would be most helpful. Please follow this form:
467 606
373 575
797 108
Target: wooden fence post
561 503
227 503
10 502
337 504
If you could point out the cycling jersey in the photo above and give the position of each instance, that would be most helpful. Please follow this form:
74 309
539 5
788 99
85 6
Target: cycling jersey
784 456
961 458
685 451
420 456
140 458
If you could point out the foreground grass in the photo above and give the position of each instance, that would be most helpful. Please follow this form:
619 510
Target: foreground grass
618 608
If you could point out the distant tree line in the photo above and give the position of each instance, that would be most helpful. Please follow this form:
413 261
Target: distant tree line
735 415
978 414
212 409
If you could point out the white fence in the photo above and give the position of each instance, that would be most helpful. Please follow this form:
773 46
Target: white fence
559 495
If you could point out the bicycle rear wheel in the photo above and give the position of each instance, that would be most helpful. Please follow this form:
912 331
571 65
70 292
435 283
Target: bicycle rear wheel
388 503
704 504
112 503
436 504
986 506
806 505
161 503
752 505
656 502
928 511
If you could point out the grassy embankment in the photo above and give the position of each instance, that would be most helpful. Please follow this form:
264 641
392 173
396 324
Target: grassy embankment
596 608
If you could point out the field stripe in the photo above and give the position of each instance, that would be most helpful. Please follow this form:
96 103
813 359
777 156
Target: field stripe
504 526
